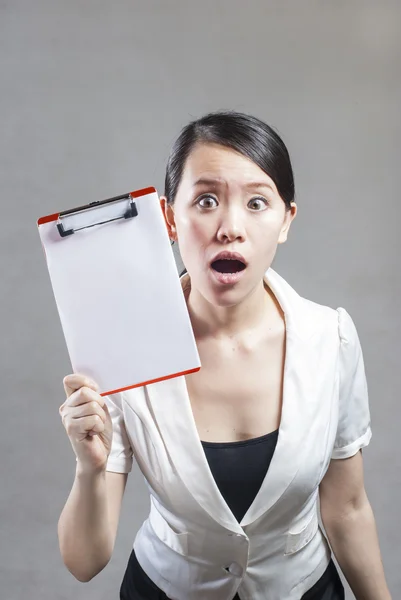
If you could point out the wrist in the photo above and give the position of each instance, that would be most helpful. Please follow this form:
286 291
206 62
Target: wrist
88 472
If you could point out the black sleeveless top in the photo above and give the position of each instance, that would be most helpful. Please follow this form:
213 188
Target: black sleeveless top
239 469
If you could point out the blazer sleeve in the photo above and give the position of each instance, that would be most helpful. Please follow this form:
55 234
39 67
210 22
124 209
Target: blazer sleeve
120 457
353 429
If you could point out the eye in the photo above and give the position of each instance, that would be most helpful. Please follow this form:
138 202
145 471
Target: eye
260 199
208 197
204 197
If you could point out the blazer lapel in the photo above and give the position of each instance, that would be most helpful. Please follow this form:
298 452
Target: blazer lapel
299 396
172 411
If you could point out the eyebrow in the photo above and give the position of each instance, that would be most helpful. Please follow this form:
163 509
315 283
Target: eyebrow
250 184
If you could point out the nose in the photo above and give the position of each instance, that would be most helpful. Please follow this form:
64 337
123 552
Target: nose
231 226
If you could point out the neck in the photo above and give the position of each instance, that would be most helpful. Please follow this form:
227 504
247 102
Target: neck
226 322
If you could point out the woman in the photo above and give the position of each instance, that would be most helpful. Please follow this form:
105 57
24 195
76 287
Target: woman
236 454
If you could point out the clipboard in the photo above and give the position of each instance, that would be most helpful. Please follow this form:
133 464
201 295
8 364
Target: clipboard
118 293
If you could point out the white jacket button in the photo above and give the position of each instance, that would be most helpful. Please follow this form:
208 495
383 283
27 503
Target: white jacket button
236 569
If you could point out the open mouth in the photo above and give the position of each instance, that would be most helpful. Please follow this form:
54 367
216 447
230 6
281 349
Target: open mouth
228 266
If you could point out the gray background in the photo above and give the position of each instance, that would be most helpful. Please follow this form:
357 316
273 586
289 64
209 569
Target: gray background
92 95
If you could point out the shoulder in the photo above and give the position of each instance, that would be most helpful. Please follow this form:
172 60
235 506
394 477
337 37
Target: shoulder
337 320
322 319
320 311
309 317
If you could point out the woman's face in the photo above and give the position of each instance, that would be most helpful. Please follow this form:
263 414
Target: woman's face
226 202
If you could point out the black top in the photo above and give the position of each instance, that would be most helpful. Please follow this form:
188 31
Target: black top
239 469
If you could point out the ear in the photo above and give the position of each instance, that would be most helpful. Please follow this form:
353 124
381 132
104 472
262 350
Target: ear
168 213
288 219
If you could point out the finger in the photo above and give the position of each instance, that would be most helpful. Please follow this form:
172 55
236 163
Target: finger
98 425
88 409
85 395
75 381
77 427
80 397
84 402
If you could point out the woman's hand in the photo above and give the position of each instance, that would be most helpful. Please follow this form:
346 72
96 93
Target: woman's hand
87 421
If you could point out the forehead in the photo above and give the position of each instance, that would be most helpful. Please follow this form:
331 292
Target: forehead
213 161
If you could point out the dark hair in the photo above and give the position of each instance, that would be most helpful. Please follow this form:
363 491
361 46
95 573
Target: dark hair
243 133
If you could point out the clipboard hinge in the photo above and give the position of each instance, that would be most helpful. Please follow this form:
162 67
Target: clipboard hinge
129 214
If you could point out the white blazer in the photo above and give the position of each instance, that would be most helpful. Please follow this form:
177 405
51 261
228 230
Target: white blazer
191 545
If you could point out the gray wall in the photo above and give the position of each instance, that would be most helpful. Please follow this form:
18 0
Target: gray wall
92 95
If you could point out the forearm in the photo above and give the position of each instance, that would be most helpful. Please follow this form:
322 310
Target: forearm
354 541
83 529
